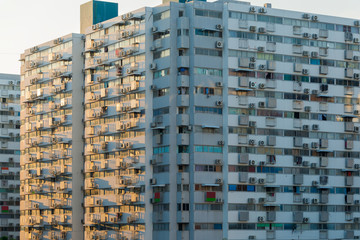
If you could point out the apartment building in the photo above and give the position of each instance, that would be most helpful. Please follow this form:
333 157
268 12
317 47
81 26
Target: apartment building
10 156
51 146
195 120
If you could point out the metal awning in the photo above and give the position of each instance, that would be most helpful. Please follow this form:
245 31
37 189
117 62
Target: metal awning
244 89
160 127
324 150
209 126
158 185
325 187
210 185
349 170
134 167
271 186
271 205
349 116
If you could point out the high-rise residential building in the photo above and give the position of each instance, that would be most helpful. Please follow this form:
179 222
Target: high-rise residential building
194 120
51 146
10 156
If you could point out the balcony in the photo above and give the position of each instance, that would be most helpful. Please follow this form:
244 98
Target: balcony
183 139
183 100
182 81
183 158
183 61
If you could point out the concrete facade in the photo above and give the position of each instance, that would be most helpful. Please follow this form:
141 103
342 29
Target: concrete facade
51 148
10 156
205 120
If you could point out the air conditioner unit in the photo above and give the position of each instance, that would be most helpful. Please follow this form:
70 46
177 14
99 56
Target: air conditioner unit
153 181
307 109
306 91
252 105
252 180
218 103
314 18
153 66
262 85
251 142
262 67
305 220
356 166
219 84
252 162
305 53
261 180
306 35
306 16
356 58
252 28
252 124
261 104
252 84
356 40
252 59
315 36
306 127
356 75
315 201
154 29
262 30
314 54
252 65
356 112
219 27
315 183
314 144
306 200
313 165
306 163
262 10
261 49
218 162
261 143
219 181
221 143
305 71
260 219
252 9
219 44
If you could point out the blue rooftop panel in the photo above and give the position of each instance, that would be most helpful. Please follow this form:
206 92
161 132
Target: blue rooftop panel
104 11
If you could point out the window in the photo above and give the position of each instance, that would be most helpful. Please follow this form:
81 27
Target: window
159 150
212 149
208 71
208 110
208 52
161 16
208 33
161 73
208 13
243 16
161 54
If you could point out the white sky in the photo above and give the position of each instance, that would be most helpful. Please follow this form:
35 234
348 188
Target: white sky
24 24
